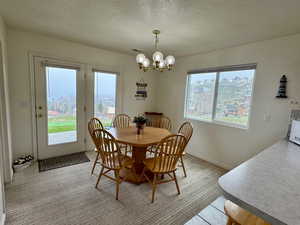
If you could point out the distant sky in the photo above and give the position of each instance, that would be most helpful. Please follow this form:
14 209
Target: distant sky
62 82
105 84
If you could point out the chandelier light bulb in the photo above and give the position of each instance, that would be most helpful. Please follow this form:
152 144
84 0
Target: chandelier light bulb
162 64
170 60
146 62
157 56
140 58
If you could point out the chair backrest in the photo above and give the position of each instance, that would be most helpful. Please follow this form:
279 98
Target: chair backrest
168 152
153 119
121 121
109 149
165 123
94 124
186 129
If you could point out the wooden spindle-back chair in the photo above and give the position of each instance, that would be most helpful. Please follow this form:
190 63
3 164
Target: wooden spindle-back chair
111 157
153 119
94 124
186 129
165 123
122 121
166 156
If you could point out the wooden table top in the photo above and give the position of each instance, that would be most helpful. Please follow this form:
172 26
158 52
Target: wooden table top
149 135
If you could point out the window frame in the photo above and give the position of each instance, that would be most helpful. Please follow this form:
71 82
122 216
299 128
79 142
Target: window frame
117 101
218 70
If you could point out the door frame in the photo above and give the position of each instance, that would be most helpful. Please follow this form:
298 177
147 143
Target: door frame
4 163
87 67
45 149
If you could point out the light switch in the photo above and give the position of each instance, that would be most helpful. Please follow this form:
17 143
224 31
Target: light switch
267 117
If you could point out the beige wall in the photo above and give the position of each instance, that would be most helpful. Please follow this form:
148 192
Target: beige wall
227 146
19 46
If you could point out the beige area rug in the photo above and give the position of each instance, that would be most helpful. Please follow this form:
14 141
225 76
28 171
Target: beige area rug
67 196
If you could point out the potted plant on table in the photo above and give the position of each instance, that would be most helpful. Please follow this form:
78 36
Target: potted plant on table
140 122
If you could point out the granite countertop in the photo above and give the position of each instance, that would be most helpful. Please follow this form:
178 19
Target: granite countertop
268 184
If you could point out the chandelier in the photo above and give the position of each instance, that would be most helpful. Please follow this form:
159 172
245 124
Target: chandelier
158 63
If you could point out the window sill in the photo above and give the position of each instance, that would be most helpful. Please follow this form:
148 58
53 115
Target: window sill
220 123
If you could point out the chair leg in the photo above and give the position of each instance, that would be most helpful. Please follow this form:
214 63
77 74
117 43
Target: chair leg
176 182
154 187
229 221
183 167
126 151
117 184
95 163
99 177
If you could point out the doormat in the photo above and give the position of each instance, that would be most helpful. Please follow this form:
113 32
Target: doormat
62 161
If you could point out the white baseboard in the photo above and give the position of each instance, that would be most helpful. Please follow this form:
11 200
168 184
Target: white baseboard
3 219
212 161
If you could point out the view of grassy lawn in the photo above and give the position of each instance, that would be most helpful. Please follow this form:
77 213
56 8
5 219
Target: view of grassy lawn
61 124
67 123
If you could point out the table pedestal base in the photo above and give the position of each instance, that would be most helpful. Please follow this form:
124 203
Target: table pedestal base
134 175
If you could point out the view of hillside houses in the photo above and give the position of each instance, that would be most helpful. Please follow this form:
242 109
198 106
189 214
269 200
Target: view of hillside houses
228 109
105 85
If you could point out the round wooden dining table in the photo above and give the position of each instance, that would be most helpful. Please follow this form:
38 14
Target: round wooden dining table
149 136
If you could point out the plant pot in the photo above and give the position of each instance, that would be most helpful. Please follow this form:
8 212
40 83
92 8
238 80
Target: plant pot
140 127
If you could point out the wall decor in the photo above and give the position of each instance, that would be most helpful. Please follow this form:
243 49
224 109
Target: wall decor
282 88
141 92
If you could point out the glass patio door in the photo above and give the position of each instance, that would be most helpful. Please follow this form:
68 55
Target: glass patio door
105 96
59 107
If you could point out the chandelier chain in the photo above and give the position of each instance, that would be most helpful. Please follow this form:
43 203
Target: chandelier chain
156 41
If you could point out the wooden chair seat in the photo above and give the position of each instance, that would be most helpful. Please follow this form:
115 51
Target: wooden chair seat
126 162
239 216
155 167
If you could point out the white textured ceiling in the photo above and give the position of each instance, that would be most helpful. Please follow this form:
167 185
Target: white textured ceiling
188 26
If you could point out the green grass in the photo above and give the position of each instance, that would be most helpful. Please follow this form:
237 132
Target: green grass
61 124
67 123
